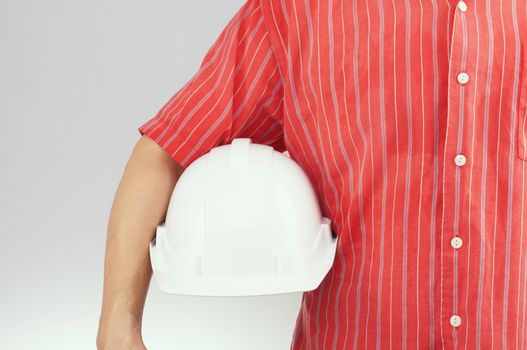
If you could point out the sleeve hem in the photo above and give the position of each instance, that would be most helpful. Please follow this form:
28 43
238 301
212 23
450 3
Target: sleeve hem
154 132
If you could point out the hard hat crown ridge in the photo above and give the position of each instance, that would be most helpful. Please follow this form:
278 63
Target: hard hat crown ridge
243 219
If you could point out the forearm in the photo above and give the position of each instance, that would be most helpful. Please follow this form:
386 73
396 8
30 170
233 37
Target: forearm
139 205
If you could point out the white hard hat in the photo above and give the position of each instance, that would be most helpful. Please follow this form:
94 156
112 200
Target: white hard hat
243 219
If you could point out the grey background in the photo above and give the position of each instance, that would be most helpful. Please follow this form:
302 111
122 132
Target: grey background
76 80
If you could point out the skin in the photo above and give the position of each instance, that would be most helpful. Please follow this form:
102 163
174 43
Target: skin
139 205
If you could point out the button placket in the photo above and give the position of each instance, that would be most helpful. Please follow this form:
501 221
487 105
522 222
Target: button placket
454 172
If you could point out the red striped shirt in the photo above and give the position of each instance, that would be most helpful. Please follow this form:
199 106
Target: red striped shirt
410 118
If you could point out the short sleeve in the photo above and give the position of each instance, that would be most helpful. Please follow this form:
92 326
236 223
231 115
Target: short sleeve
237 92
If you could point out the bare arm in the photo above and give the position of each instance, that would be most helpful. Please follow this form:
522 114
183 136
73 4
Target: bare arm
139 205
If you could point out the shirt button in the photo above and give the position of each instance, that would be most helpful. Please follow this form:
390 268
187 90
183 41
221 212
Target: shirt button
460 160
462 78
455 320
462 6
456 242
